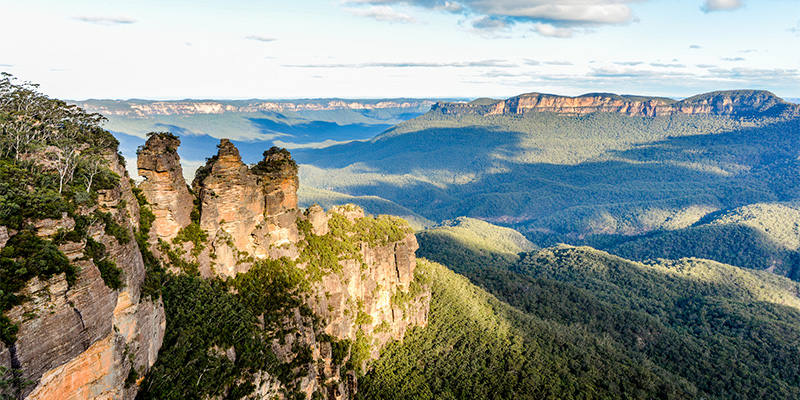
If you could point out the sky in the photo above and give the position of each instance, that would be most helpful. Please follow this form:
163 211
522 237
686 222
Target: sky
243 49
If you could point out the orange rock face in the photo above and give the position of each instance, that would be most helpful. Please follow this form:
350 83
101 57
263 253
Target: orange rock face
164 185
716 103
247 212
80 341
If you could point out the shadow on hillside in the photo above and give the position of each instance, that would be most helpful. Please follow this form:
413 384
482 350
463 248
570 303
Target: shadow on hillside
717 170
318 131
734 244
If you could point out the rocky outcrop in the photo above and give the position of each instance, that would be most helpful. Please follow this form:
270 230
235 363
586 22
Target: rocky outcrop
373 298
736 103
248 213
81 340
164 186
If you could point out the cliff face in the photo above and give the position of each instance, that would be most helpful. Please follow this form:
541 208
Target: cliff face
248 214
371 299
164 186
81 340
737 103
358 270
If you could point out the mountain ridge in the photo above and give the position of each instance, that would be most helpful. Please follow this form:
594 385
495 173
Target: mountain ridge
144 108
729 102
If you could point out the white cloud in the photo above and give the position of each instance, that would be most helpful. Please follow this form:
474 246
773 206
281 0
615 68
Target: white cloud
551 31
460 64
382 13
758 75
558 62
667 65
551 11
722 5
490 24
98 20
260 38
554 18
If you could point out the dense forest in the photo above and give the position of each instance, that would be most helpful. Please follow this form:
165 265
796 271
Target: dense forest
717 330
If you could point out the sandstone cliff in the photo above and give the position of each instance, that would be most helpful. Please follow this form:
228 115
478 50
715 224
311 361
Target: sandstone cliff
248 213
358 272
78 338
164 186
735 103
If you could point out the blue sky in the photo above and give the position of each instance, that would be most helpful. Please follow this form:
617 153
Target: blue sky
238 49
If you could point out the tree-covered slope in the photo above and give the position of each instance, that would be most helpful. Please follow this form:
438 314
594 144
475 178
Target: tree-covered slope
477 347
758 236
731 333
471 243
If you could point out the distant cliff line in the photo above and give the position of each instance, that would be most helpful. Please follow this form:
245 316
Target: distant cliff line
145 108
736 103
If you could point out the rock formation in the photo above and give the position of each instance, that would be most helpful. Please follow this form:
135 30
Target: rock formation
164 186
737 103
82 340
82 337
248 213
373 297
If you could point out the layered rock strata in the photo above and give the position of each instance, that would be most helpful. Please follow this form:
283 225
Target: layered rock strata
81 340
248 213
164 186
737 103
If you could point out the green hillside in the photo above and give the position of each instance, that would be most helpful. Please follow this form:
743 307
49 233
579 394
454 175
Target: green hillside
477 347
371 204
758 236
471 243
726 332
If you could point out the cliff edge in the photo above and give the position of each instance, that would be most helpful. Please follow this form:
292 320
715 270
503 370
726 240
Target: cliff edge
340 285
740 103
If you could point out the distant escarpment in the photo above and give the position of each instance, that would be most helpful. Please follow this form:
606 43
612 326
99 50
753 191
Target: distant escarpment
144 108
735 103
284 302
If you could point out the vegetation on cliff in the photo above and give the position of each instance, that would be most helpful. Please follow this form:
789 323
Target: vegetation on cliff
53 164
222 333
215 342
